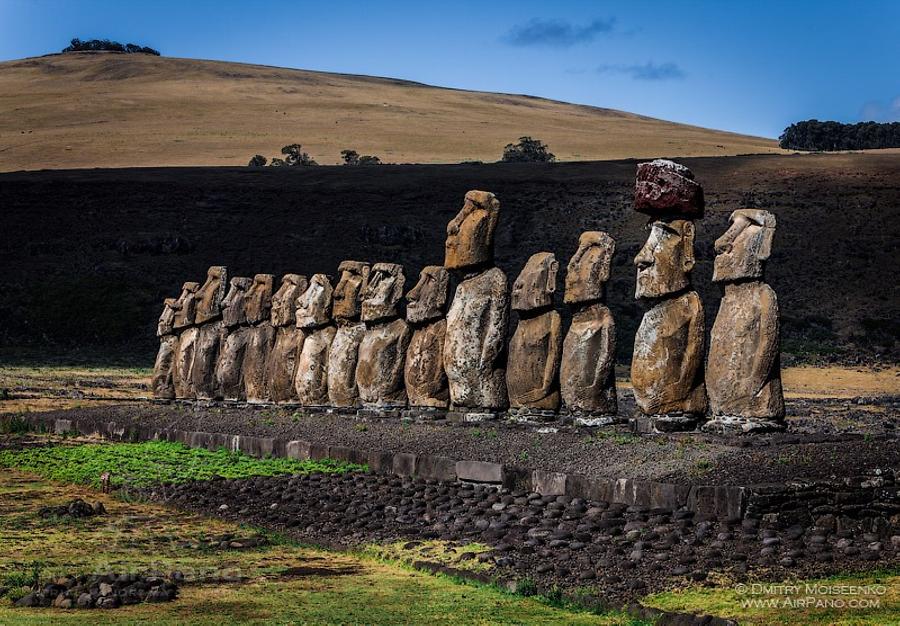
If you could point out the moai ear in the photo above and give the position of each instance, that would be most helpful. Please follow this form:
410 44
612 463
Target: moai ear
687 243
399 285
765 244
552 271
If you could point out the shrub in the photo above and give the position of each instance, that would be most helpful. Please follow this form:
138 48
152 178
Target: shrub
258 160
276 162
294 155
352 157
527 150
77 45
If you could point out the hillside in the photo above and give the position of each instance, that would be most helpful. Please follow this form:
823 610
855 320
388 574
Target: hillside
89 255
81 110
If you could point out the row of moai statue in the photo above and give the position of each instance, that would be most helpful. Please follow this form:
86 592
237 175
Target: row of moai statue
350 346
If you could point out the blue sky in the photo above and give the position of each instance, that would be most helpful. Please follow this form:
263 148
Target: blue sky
751 67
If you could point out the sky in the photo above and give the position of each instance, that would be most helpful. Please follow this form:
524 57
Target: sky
752 67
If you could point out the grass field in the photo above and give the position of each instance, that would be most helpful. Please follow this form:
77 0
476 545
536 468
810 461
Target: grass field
114 110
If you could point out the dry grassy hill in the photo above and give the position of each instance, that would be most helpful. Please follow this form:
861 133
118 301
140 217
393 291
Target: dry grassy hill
115 110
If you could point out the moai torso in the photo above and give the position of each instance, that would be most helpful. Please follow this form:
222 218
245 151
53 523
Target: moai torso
313 319
666 368
162 383
229 369
382 351
423 373
587 373
534 350
474 350
344 353
744 367
210 333
183 323
282 359
260 338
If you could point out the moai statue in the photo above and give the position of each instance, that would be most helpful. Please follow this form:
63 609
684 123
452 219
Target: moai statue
163 384
230 368
474 349
667 366
587 375
260 338
314 321
344 353
382 351
423 374
282 359
210 333
183 324
743 373
532 371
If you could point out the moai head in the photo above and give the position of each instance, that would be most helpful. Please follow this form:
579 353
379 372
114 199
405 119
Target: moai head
742 250
186 305
383 292
349 290
666 260
470 235
314 305
589 267
664 188
426 301
259 298
167 317
234 305
536 283
284 302
211 294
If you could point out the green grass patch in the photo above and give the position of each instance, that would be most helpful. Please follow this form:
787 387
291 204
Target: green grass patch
141 464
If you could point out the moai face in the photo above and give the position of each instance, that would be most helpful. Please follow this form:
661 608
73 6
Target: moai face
259 298
167 317
350 287
186 305
665 261
589 267
211 294
745 246
383 292
536 284
233 306
426 301
470 235
314 305
284 302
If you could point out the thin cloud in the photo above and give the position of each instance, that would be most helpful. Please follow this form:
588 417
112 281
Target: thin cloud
646 71
557 33
876 111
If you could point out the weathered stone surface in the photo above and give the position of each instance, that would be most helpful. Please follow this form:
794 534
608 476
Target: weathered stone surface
665 188
234 304
435 467
534 350
743 372
587 372
427 301
259 299
185 306
211 294
424 376
229 369
281 363
260 339
314 304
284 302
548 483
667 366
426 381
354 276
666 260
404 464
383 292
163 383
166 324
379 371
474 354
470 235
479 471
184 363
206 355
343 358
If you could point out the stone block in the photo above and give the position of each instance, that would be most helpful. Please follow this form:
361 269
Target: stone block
436 467
479 471
297 449
548 483
404 464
